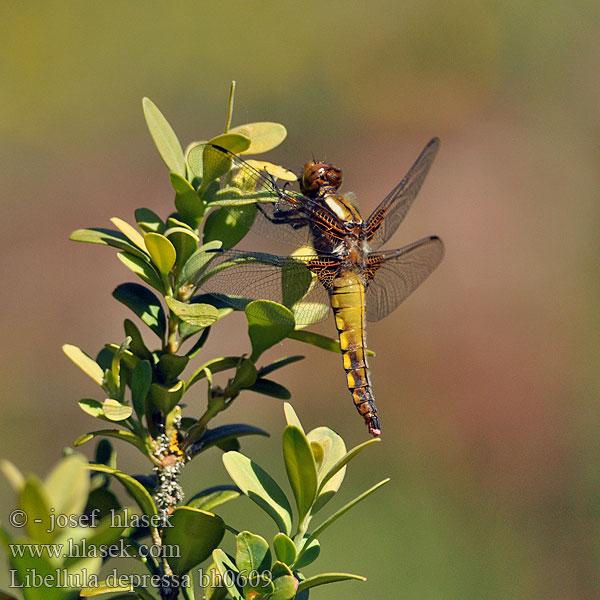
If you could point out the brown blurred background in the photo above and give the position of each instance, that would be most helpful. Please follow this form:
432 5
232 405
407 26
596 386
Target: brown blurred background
486 378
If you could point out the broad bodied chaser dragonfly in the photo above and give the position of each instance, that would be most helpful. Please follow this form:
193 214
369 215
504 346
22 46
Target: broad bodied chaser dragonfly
337 263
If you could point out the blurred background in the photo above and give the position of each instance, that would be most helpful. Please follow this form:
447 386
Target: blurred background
486 379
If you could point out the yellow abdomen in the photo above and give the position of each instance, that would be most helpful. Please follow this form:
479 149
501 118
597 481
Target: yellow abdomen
348 304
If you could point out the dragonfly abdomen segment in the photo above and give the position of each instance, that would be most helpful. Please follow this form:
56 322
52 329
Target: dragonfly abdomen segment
348 303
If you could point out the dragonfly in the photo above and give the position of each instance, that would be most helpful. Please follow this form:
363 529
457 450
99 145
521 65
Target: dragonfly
337 264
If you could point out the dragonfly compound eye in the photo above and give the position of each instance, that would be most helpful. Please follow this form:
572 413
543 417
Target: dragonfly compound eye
318 175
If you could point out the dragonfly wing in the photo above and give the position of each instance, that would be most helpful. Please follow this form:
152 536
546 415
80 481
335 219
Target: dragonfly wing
386 218
282 215
240 277
394 274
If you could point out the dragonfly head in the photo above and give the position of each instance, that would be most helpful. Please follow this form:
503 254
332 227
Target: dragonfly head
319 178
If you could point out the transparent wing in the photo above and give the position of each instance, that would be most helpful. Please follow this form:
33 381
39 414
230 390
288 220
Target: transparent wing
238 277
395 274
283 215
386 218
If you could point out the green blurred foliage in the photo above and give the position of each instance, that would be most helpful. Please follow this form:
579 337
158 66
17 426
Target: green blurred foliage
488 381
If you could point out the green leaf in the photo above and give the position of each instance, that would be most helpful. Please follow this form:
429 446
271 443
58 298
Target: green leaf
334 517
185 243
245 376
68 485
93 408
228 572
200 315
12 474
137 345
330 448
228 225
143 269
279 364
144 304
148 220
135 489
316 339
106 237
141 380
198 261
199 344
233 141
270 388
34 501
214 366
300 467
285 588
214 591
213 497
291 417
252 553
42 567
187 202
85 363
324 578
170 366
268 324
161 251
219 435
264 136
131 233
115 411
196 533
104 588
164 397
309 553
164 137
120 434
342 462
261 488
284 548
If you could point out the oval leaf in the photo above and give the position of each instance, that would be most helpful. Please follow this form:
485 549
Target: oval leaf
284 548
115 411
301 468
187 202
165 397
200 315
135 489
164 137
130 232
228 572
141 380
34 501
88 365
147 220
144 304
126 436
162 251
68 485
195 533
261 488
106 237
308 555
324 578
252 553
264 136
185 242
268 324
228 225
143 269
213 497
